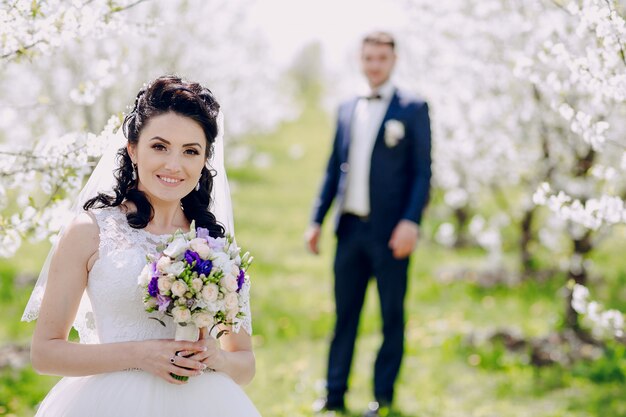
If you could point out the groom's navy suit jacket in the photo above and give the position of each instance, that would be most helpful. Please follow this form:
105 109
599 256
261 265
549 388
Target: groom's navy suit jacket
399 175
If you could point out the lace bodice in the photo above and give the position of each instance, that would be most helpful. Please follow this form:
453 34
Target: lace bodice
116 298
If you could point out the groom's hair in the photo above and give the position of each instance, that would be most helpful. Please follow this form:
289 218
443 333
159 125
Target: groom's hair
380 38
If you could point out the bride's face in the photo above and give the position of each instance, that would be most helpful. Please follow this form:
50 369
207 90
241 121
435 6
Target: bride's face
170 154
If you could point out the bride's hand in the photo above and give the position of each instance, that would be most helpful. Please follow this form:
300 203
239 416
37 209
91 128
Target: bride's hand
159 358
213 356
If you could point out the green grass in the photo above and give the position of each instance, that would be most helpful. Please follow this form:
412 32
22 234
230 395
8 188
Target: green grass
293 312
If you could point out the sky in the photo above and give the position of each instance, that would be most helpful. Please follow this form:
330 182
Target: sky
338 25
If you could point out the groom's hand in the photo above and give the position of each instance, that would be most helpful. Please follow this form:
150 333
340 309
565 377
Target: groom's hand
404 239
312 238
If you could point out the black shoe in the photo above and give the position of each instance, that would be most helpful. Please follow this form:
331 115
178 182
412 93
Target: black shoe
322 405
376 409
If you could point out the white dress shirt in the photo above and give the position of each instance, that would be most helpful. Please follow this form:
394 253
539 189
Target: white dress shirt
368 116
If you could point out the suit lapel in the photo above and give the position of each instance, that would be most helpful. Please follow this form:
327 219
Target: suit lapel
347 118
389 115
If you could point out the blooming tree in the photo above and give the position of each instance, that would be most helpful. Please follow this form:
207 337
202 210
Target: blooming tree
486 122
583 72
527 98
32 27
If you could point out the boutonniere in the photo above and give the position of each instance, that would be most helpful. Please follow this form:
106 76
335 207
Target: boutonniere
394 131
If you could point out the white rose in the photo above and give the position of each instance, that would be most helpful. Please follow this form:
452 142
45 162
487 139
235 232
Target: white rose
197 284
176 247
201 248
179 288
231 301
229 282
145 276
394 131
232 314
203 319
163 263
165 283
181 314
175 269
210 293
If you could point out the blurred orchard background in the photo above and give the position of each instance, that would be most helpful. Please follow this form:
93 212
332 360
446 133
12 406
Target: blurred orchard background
517 287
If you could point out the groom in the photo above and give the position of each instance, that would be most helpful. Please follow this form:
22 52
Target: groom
378 176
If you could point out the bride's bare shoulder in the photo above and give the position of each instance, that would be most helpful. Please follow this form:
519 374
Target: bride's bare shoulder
84 223
81 237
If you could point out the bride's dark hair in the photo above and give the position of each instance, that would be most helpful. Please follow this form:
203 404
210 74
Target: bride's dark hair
166 94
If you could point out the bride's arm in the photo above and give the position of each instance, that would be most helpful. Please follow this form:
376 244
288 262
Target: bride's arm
52 353
232 354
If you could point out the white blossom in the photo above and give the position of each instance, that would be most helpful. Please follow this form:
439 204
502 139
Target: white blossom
603 323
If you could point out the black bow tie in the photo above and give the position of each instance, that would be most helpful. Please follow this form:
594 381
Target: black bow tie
373 97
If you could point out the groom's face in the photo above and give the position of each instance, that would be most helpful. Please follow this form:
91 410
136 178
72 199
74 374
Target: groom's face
377 62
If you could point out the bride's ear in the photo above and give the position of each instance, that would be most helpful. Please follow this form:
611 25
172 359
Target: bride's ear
131 152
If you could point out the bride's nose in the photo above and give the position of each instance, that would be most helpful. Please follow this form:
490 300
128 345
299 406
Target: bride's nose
173 163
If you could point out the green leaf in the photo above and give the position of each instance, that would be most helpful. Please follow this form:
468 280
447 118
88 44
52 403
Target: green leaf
159 320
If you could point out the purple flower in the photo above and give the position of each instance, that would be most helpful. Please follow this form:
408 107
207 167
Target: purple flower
241 278
153 287
216 243
191 256
201 266
202 233
155 274
204 267
163 302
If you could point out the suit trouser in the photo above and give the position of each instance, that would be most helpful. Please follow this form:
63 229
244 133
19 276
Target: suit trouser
359 257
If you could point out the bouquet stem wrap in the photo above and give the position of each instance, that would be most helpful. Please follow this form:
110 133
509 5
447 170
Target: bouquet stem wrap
188 333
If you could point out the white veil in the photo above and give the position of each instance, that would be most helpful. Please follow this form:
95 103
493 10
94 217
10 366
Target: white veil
103 181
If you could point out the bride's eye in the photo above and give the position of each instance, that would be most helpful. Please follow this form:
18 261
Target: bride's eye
158 147
192 151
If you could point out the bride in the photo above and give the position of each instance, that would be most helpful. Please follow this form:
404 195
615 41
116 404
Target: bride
124 363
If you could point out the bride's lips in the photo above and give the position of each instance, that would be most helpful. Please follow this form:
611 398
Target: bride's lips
169 181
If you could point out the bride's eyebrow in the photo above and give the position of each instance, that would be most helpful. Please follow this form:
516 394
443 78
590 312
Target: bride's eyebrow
167 142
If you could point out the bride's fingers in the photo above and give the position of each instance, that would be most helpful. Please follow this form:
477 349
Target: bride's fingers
183 371
189 363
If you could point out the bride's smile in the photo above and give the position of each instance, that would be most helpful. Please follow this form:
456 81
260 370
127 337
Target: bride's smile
170 181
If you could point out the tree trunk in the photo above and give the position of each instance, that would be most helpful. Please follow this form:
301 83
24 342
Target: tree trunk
577 273
525 240
461 215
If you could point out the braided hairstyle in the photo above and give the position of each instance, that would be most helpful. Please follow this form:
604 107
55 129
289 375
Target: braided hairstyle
166 94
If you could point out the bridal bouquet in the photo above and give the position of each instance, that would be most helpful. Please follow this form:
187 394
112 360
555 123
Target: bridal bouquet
198 280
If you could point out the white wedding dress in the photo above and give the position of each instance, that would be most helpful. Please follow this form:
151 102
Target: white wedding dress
119 316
